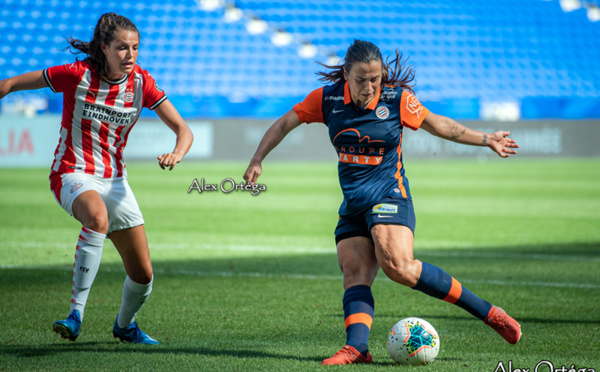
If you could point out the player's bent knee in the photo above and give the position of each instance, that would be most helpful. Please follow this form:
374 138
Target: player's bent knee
401 271
358 275
97 222
144 277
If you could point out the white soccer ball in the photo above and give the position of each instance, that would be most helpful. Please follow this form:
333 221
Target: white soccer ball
413 341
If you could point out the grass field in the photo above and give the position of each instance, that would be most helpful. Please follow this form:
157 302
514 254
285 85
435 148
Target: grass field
251 283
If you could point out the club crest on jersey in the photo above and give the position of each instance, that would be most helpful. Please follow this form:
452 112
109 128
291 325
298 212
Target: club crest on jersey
382 112
75 187
128 97
385 208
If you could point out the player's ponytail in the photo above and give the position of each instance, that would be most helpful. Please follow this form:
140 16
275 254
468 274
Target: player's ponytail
394 73
105 32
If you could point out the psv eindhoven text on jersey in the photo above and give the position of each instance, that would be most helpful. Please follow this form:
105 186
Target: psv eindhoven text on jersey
98 116
368 141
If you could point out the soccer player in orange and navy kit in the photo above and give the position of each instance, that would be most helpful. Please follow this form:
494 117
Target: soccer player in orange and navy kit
103 97
366 109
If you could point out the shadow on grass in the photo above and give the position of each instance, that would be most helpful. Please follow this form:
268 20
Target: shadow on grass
108 348
112 347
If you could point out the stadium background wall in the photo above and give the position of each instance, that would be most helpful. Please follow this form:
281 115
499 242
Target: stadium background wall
30 142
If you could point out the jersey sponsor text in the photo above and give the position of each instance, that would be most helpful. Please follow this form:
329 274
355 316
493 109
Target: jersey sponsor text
360 159
108 115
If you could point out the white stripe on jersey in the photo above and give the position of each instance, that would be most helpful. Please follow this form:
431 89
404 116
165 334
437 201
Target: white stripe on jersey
60 149
101 97
75 129
76 134
112 133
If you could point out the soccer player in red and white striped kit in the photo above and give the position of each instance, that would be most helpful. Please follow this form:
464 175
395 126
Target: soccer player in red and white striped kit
103 96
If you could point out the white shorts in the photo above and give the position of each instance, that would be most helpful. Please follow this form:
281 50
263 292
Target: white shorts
123 210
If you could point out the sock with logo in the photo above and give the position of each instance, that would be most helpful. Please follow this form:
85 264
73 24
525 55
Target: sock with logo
359 310
87 261
134 296
439 284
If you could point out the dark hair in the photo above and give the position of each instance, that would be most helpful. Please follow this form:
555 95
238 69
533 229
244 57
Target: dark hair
105 32
393 73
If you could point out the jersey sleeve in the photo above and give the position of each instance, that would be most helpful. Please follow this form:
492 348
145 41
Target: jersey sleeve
64 77
311 109
412 112
153 95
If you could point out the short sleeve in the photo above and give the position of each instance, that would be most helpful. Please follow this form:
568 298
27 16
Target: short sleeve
153 95
310 110
64 77
412 112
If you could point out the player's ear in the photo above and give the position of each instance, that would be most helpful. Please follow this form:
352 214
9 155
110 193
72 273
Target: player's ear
104 48
345 73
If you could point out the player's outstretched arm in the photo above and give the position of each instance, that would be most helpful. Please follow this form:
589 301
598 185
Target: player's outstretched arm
28 81
170 116
449 129
274 135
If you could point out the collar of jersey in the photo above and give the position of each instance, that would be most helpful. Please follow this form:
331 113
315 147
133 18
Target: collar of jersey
117 82
348 98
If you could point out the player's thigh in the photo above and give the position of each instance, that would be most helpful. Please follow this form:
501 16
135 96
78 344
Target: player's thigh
79 195
126 230
89 209
122 206
357 260
393 246
132 246
394 242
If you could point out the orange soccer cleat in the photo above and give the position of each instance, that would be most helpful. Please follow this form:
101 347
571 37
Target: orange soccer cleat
504 324
347 355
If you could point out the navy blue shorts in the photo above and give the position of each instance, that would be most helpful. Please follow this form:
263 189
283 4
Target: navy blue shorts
387 212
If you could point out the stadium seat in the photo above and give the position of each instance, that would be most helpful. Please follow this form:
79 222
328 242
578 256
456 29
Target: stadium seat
466 50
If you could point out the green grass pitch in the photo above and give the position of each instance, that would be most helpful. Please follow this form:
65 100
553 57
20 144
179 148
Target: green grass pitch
251 283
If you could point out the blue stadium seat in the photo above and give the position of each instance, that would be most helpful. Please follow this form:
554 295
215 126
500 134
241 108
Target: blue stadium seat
462 50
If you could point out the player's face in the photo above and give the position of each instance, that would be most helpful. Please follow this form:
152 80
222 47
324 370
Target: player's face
121 54
364 80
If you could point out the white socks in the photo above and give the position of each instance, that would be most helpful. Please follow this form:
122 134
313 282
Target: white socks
85 268
134 296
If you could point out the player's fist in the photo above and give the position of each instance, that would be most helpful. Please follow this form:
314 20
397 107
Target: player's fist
169 160
254 170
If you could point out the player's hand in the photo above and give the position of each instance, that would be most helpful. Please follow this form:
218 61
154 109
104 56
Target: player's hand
254 170
169 160
501 144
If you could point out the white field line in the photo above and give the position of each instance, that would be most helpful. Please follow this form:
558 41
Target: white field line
181 246
380 278
323 250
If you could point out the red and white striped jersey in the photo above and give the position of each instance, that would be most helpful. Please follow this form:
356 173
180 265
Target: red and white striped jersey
98 116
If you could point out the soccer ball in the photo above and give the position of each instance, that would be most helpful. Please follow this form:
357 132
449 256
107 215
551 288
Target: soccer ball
413 341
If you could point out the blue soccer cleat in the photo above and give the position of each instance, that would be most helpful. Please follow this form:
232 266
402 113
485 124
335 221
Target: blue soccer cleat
68 328
132 333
